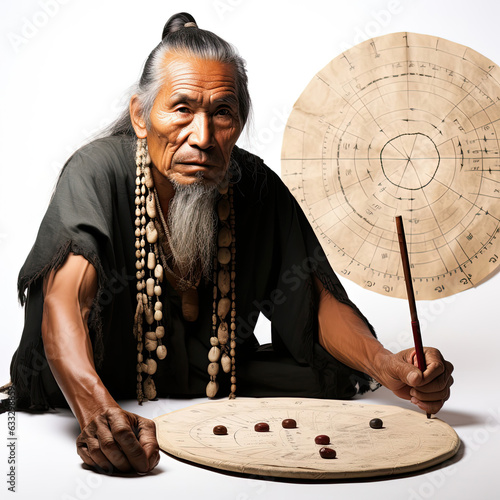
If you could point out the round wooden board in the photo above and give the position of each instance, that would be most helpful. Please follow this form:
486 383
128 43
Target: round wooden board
407 442
402 124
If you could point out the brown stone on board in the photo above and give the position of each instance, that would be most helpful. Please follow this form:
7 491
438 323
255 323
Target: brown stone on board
322 439
261 427
376 423
327 453
289 423
220 430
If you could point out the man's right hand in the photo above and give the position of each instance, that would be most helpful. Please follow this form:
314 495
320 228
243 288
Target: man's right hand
116 440
112 439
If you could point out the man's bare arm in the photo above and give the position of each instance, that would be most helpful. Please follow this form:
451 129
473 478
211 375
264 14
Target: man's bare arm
346 337
111 438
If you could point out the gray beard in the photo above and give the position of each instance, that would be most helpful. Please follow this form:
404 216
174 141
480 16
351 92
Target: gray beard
192 224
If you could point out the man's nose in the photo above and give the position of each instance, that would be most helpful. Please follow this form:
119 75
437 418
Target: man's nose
201 135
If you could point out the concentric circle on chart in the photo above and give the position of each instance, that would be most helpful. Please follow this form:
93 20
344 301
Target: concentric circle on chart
408 125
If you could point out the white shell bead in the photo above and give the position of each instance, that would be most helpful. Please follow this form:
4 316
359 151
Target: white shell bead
151 232
224 256
214 354
160 332
158 315
161 352
224 239
149 388
151 206
151 260
223 333
213 369
159 272
224 281
151 366
148 312
148 178
150 286
225 362
150 345
223 307
150 335
212 388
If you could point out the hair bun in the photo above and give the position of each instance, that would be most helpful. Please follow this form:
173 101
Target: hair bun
177 22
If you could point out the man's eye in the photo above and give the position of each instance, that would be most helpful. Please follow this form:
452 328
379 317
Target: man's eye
183 109
223 112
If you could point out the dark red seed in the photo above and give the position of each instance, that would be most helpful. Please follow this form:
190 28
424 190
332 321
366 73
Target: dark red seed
220 430
322 439
289 423
376 423
261 427
327 453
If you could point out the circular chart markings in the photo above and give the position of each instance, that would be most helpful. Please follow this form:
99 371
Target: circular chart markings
393 127
407 442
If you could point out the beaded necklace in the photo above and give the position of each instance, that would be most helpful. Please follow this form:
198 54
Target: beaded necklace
151 264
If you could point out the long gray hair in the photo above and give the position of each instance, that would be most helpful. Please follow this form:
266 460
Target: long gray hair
181 39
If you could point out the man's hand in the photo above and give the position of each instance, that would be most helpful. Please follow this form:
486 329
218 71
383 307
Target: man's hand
119 441
428 390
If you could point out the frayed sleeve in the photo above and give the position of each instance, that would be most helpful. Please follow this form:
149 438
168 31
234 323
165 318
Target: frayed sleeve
80 219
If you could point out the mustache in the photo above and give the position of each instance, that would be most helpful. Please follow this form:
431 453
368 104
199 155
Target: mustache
202 158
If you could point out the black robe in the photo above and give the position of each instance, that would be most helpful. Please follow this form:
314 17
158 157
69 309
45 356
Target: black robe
92 213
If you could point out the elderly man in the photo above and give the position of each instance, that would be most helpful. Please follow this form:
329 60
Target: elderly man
162 244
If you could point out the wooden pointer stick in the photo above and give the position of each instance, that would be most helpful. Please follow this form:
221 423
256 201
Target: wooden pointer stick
415 325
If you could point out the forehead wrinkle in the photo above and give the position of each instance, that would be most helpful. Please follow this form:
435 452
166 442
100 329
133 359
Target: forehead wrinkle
199 84
185 71
227 98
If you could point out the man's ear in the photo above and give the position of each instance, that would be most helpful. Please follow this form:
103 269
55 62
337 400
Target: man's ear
136 117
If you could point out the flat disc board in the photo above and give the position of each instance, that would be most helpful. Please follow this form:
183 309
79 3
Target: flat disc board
407 442
403 124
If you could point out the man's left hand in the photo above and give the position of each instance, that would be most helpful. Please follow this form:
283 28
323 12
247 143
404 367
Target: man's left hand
428 390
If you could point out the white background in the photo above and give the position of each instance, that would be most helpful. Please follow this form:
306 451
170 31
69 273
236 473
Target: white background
65 68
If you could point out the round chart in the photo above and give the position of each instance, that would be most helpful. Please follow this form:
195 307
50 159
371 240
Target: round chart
409 125
406 442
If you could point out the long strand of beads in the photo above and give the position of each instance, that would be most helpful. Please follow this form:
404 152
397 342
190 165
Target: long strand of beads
232 352
149 290
141 158
214 352
223 278
153 309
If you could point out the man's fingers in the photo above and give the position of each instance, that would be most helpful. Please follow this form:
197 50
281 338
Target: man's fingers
441 395
89 452
111 450
121 441
431 406
436 364
437 386
121 428
147 438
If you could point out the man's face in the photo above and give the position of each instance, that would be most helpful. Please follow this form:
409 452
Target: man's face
194 120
